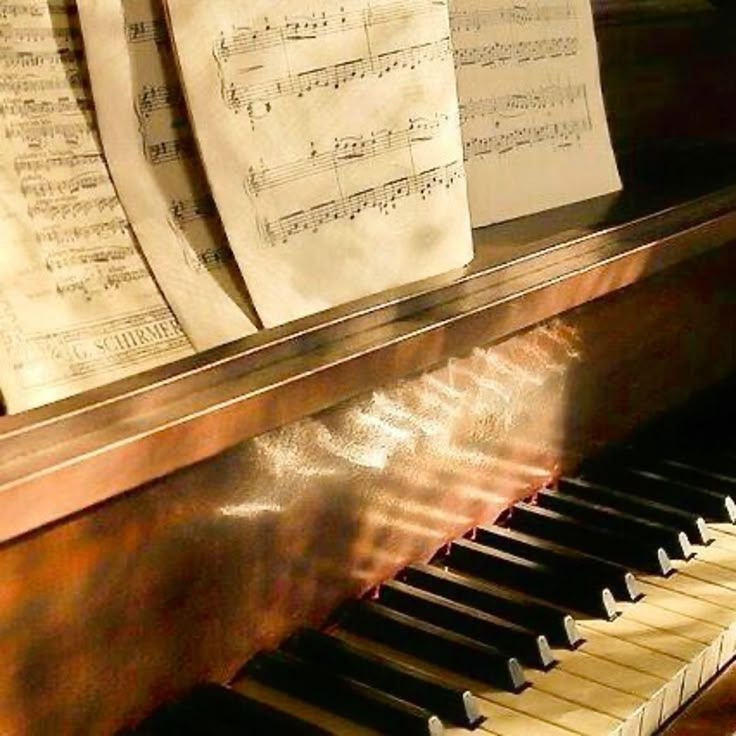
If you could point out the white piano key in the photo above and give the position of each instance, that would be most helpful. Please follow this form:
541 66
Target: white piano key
628 645
716 554
616 703
626 679
703 612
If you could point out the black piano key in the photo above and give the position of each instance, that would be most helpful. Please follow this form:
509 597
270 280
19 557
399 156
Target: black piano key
566 560
342 695
530 647
435 644
712 506
453 704
589 538
531 577
707 478
189 716
235 713
555 623
693 524
721 463
674 541
171 720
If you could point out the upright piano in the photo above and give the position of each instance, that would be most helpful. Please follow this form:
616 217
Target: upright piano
161 532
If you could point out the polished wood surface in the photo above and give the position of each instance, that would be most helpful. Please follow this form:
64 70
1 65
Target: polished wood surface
109 612
340 448
109 441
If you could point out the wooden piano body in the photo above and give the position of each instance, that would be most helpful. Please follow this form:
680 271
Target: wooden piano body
157 532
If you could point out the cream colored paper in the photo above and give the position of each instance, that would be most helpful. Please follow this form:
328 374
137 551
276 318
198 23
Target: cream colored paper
329 132
78 306
155 165
535 134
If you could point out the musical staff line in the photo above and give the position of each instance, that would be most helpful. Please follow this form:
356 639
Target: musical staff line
257 99
12 59
383 198
20 106
210 258
39 186
562 134
147 31
32 34
94 231
51 210
36 10
175 149
48 161
85 256
519 103
158 97
520 52
73 78
188 210
345 151
34 133
300 28
510 14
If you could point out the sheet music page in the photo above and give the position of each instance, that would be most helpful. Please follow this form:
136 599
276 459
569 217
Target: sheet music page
78 306
535 133
329 131
155 165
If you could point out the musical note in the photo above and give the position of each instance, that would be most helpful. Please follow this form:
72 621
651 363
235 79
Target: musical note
174 149
30 108
36 134
36 10
59 211
345 151
523 102
147 31
49 161
70 260
73 79
517 13
151 152
63 259
316 26
562 134
11 58
159 97
64 36
187 210
498 53
350 114
257 99
530 105
93 231
210 258
383 198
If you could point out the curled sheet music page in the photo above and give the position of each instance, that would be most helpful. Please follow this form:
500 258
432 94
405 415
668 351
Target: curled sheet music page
78 306
329 131
156 168
535 133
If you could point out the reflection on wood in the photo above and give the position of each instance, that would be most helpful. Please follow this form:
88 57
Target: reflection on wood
304 516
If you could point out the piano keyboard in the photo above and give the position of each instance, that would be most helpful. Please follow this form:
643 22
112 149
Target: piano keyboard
599 608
